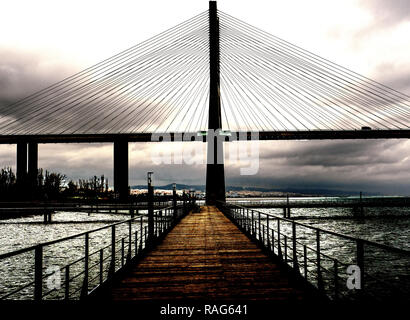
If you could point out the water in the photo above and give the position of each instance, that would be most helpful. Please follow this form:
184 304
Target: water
388 226
28 231
380 225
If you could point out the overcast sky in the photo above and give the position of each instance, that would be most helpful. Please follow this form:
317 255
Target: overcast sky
44 41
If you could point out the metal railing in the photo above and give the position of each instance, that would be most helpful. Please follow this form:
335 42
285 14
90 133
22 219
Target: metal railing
323 258
323 202
95 255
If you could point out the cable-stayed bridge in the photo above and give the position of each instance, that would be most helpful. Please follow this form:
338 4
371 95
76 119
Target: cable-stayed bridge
210 73
163 85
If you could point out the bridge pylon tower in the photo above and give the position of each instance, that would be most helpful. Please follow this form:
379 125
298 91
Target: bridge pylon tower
215 171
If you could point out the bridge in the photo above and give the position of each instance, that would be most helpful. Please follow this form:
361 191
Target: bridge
210 72
216 79
226 252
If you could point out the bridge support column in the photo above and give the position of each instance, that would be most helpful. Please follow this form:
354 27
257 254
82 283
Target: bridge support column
21 171
32 166
215 172
121 169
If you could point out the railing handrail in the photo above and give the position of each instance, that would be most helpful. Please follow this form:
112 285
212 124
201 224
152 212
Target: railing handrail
163 218
48 243
249 221
347 237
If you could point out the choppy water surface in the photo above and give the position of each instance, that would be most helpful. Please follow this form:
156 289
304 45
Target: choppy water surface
27 231
390 226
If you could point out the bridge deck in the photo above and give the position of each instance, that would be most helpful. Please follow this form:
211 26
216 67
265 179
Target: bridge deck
206 257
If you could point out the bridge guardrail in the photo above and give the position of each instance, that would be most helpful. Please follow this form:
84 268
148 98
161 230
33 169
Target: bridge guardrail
323 258
328 202
90 267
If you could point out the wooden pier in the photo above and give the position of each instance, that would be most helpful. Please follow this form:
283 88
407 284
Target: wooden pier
206 257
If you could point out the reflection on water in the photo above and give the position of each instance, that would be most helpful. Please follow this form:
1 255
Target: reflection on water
379 225
390 226
28 231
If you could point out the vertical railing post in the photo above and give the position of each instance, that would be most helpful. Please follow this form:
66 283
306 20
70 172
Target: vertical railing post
38 273
285 245
160 222
151 226
294 248
288 206
174 200
67 283
247 220
279 246
122 251
263 234
84 291
136 243
141 232
319 272
129 241
305 261
259 226
253 224
101 265
267 232
112 266
184 201
360 260
336 282
273 240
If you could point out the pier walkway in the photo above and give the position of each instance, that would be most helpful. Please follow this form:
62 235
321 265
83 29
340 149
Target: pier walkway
206 257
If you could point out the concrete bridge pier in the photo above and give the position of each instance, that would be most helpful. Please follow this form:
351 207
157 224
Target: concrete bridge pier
121 169
32 164
27 166
21 172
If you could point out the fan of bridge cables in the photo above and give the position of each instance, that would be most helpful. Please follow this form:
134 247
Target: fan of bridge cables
162 85
269 84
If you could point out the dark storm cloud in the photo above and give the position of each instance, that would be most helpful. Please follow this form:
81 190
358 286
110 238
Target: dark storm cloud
336 153
370 165
344 165
22 74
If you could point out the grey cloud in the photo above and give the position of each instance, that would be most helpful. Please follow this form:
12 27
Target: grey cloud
282 165
395 76
372 165
23 73
388 13
378 165
335 153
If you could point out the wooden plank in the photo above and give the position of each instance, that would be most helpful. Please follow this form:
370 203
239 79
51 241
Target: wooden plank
206 257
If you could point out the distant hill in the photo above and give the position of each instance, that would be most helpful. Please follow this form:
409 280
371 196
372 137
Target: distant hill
301 191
